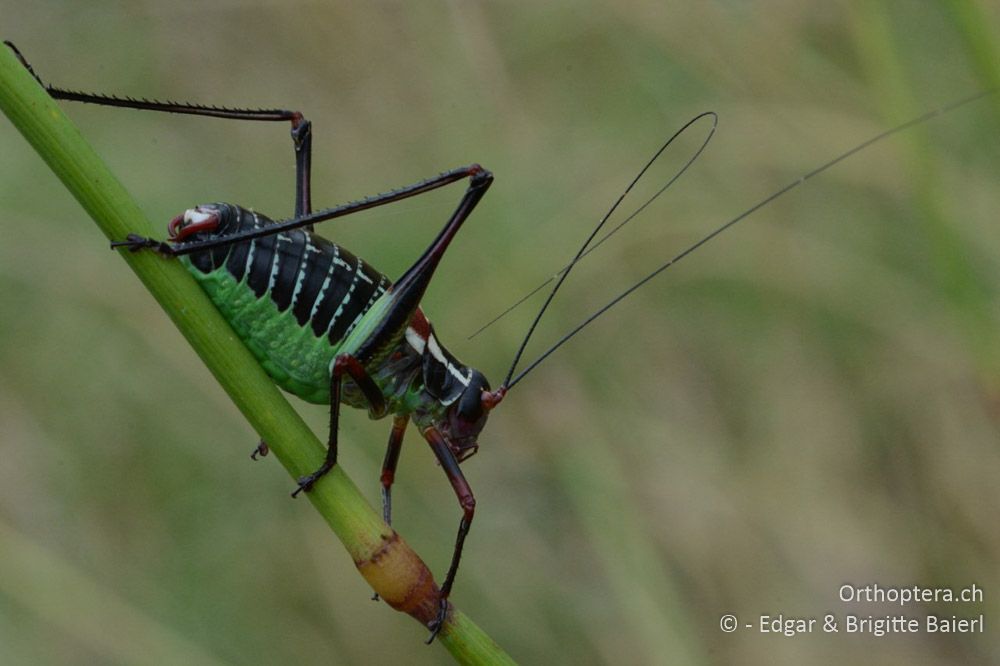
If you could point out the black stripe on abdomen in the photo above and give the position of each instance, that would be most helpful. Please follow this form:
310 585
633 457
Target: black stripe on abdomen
359 294
291 248
325 286
337 283
313 271
260 266
236 264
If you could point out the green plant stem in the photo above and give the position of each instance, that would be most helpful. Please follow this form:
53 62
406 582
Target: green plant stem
383 558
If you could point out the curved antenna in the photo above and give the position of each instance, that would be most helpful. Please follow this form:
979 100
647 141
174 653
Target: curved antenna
749 211
584 248
516 304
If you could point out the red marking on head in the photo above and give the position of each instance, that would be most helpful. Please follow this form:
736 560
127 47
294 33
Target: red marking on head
175 225
178 229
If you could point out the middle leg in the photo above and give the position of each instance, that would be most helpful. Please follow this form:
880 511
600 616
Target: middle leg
399 424
349 365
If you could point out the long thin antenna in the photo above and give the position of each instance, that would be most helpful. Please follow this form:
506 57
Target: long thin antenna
583 248
513 306
749 211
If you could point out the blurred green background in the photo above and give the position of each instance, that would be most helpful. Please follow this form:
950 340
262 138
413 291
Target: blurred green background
809 401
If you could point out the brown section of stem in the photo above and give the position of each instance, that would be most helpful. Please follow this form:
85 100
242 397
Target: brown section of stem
401 579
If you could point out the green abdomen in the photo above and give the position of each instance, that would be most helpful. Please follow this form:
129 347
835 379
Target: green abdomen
297 360
297 300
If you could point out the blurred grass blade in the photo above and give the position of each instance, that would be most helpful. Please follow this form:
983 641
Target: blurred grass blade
67 598
952 259
978 30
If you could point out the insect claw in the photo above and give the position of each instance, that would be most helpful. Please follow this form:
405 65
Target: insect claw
261 450
305 483
437 623
135 242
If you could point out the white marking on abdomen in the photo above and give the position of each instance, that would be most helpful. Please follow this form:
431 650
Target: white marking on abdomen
326 282
365 277
346 299
246 269
277 260
302 270
368 306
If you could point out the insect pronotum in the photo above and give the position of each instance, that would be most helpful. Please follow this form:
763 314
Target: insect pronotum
348 334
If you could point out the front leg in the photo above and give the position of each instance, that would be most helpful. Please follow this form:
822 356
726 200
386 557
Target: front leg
344 364
468 503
